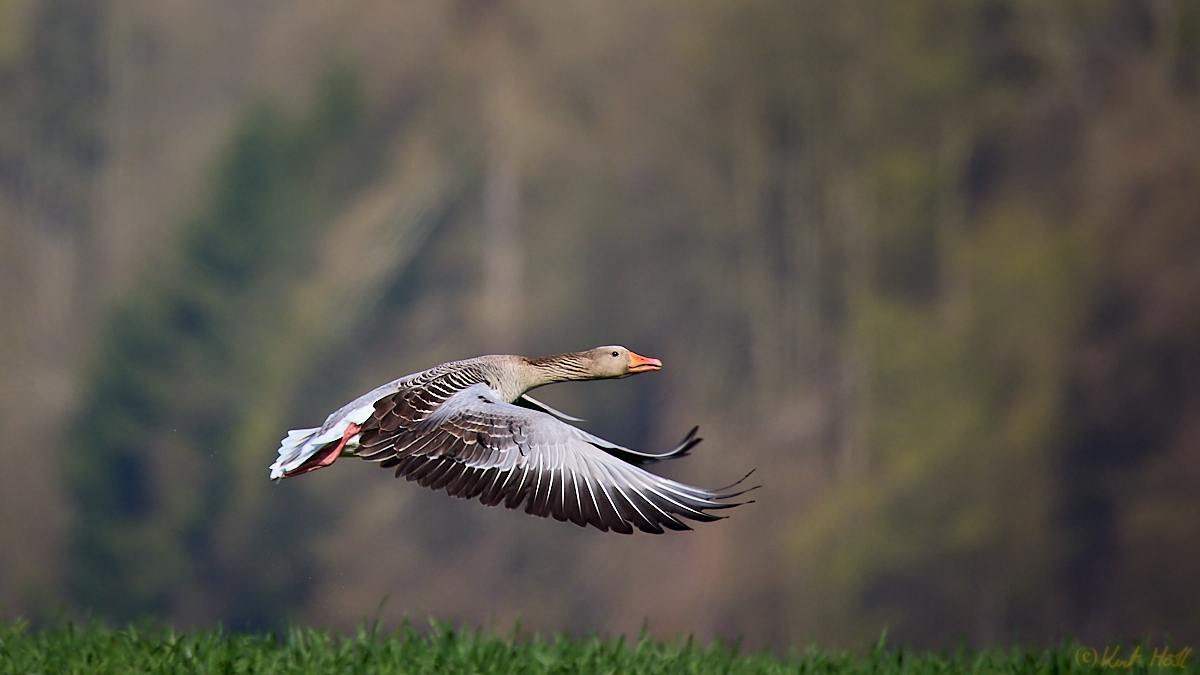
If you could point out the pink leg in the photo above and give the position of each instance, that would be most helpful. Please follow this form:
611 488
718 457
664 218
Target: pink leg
326 455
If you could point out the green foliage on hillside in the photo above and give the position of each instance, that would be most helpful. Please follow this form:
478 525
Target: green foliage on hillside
989 257
64 86
153 456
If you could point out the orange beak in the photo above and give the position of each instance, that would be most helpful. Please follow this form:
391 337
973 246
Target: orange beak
641 364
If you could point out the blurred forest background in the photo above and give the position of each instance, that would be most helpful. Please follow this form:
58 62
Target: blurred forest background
931 266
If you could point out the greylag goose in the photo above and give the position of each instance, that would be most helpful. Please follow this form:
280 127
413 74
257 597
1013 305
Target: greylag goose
470 428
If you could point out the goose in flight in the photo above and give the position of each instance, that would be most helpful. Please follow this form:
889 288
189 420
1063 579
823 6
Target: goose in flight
470 428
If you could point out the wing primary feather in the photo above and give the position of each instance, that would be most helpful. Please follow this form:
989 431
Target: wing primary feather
638 458
697 498
518 494
737 483
463 474
466 486
641 521
429 472
613 517
667 520
649 490
677 508
452 473
537 501
594 516
559 492
624 506
408 465
494 494
558 495
577 475
487 480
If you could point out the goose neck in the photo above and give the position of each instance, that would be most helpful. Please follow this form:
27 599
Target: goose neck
558 368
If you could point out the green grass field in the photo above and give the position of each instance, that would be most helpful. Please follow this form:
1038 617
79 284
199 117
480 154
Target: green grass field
95 649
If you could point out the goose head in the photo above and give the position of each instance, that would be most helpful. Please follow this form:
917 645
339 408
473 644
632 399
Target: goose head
617 361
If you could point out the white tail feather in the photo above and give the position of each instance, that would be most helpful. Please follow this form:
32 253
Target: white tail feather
293 451
301 444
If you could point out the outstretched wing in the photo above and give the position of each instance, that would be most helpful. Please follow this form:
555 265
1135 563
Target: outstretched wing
474 445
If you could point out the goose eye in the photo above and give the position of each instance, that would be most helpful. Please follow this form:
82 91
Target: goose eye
616 353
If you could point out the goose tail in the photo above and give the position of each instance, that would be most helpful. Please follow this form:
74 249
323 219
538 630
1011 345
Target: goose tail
294 451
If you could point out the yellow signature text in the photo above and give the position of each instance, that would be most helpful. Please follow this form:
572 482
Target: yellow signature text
1086 656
